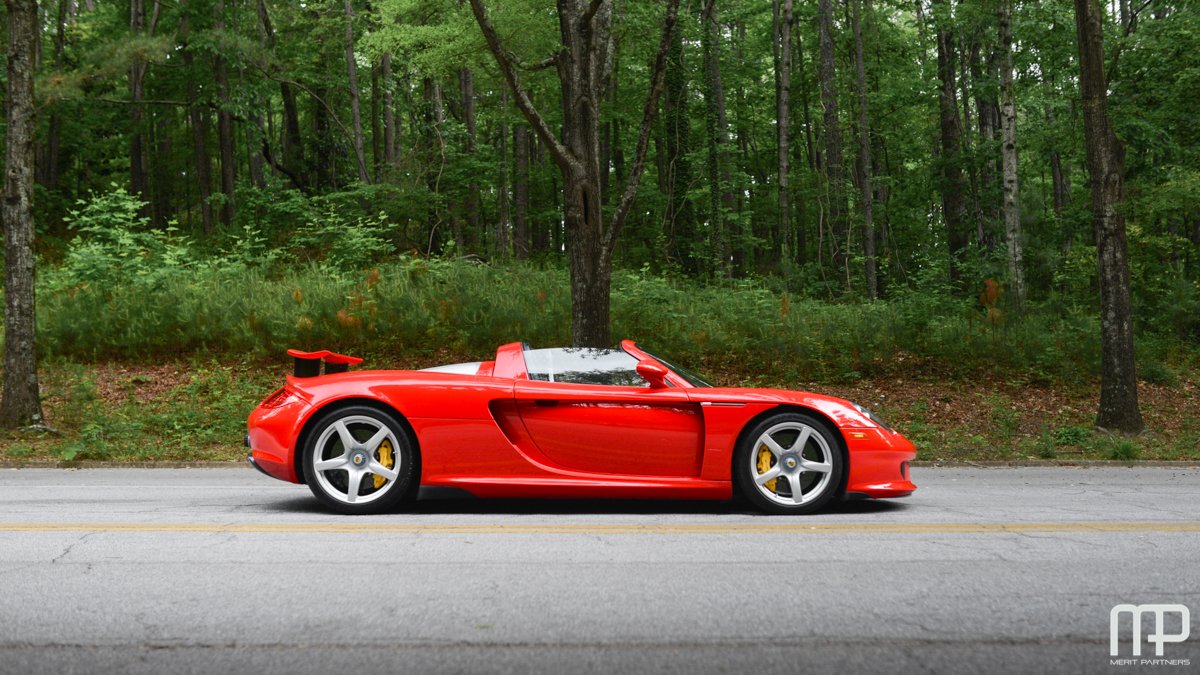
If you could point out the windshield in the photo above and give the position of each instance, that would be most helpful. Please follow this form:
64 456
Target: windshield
693 379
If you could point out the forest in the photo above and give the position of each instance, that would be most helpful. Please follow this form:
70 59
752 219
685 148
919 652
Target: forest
985 213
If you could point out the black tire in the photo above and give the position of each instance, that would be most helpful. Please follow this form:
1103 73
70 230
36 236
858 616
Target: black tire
375 493
822 450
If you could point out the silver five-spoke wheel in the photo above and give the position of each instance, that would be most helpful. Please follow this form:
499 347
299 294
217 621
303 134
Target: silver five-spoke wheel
790 463
358 460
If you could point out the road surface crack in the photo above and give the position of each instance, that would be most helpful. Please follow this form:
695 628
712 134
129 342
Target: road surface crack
70 547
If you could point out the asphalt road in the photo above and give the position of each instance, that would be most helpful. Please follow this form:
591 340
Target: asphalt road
225 570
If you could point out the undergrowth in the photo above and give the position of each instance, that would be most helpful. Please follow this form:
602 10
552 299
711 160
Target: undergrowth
123 290
413 304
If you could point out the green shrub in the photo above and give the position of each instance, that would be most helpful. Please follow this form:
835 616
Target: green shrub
116 247
1072 435
1124 449
1046 446
1155 372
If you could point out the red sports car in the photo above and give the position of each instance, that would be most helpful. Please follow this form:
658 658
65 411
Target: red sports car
566 423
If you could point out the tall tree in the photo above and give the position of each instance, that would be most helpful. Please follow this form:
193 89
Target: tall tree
467 88
720 188
584 66
47 167
225 147
292 141
783 92
1106 165
680 216
198 118
521 192
390 131
864 157
833 140
1008 154
139 180
500 239
352 82
21 403
953 186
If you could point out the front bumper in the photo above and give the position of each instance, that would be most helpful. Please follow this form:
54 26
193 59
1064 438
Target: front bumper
879 463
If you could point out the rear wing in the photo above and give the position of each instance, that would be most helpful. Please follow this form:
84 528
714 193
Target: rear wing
308 364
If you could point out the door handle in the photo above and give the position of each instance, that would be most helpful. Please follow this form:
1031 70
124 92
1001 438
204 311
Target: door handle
545 402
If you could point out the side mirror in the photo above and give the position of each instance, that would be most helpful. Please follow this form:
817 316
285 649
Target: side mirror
653 372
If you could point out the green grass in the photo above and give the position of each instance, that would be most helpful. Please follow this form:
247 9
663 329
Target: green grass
194 411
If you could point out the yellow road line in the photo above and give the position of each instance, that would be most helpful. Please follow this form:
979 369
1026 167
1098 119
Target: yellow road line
699 528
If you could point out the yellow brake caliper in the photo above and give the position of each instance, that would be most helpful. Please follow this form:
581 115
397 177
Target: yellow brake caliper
386 459
764 464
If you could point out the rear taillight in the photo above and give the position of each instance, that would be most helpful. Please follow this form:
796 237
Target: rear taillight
277 398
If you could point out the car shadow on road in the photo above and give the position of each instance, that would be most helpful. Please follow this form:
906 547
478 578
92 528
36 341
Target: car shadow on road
468 506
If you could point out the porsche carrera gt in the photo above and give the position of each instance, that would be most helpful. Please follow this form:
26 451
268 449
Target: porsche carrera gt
566 423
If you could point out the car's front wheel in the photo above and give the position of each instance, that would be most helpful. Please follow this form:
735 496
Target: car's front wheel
789 463
358 460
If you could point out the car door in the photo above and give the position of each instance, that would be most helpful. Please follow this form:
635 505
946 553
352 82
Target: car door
603 429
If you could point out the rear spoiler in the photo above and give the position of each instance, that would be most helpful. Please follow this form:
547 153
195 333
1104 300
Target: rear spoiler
308 364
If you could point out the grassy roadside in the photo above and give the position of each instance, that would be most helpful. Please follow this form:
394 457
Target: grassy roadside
193 410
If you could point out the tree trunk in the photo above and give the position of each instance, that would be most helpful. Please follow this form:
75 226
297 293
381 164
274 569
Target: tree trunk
1008 154
969 148
1106 165
292 143
467 86
521 192
254 139
433 154
987 110
48 169
953 187
833 140
864 157
324 161
680 220
584 67
352 81
743 252
783 95
163 183
139 181
1062 184
389 110
618 151
20 404
376 124
1060 175
720 192
224 126
539 229
501 236
198 119
810 154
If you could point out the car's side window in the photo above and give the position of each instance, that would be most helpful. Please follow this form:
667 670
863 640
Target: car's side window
583 365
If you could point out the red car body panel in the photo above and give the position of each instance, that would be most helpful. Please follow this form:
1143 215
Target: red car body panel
499 434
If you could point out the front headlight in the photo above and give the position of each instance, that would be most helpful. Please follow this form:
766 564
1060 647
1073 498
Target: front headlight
865 412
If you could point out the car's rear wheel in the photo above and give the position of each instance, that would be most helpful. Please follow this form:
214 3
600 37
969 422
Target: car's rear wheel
789 463
358 460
